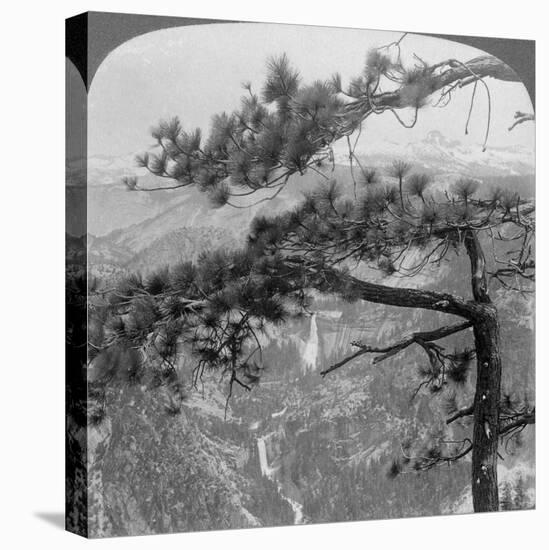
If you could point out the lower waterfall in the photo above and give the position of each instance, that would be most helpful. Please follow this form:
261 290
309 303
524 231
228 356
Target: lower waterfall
269 472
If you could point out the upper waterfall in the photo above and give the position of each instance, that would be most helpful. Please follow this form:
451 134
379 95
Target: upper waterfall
310 352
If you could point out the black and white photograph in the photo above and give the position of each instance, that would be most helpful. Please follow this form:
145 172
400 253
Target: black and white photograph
294 296
309 286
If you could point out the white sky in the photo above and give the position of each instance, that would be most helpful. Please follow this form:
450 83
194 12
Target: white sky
196 71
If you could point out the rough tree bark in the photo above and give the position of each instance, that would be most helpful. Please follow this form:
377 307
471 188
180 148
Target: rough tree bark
488 385
481 313
486 412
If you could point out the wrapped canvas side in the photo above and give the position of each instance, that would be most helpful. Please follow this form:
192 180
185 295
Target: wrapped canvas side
76 439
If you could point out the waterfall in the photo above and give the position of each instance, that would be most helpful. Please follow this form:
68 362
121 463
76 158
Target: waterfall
310 353
269 472
297 508
263 461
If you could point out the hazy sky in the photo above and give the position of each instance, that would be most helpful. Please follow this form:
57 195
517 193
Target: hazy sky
194 72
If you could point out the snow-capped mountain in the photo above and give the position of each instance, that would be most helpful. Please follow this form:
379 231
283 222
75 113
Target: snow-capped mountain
442 156
105 169
111 206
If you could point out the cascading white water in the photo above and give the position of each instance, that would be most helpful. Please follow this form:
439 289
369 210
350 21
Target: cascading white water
269 472
310 353
263 461
297 508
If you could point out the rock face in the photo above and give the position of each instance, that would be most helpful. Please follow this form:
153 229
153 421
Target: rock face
297 448
155 473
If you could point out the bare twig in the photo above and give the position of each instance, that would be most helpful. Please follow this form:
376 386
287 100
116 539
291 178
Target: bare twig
388 351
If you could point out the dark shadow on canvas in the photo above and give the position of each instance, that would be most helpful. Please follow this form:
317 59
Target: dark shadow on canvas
57 519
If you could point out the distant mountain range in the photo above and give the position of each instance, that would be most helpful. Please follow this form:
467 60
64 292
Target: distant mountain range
111 206
442 156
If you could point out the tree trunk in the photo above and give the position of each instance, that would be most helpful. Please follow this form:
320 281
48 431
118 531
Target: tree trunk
487 394
486 412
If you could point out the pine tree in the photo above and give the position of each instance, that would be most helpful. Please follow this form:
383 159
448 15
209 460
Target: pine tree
221 304
399 169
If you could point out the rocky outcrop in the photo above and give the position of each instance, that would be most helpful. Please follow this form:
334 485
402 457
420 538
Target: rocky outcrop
151 472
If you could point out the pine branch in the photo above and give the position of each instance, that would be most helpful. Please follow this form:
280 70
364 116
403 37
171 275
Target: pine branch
521 117
440 75
309 120
465 411
409 297
445 459
431 456
520 422
416 338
